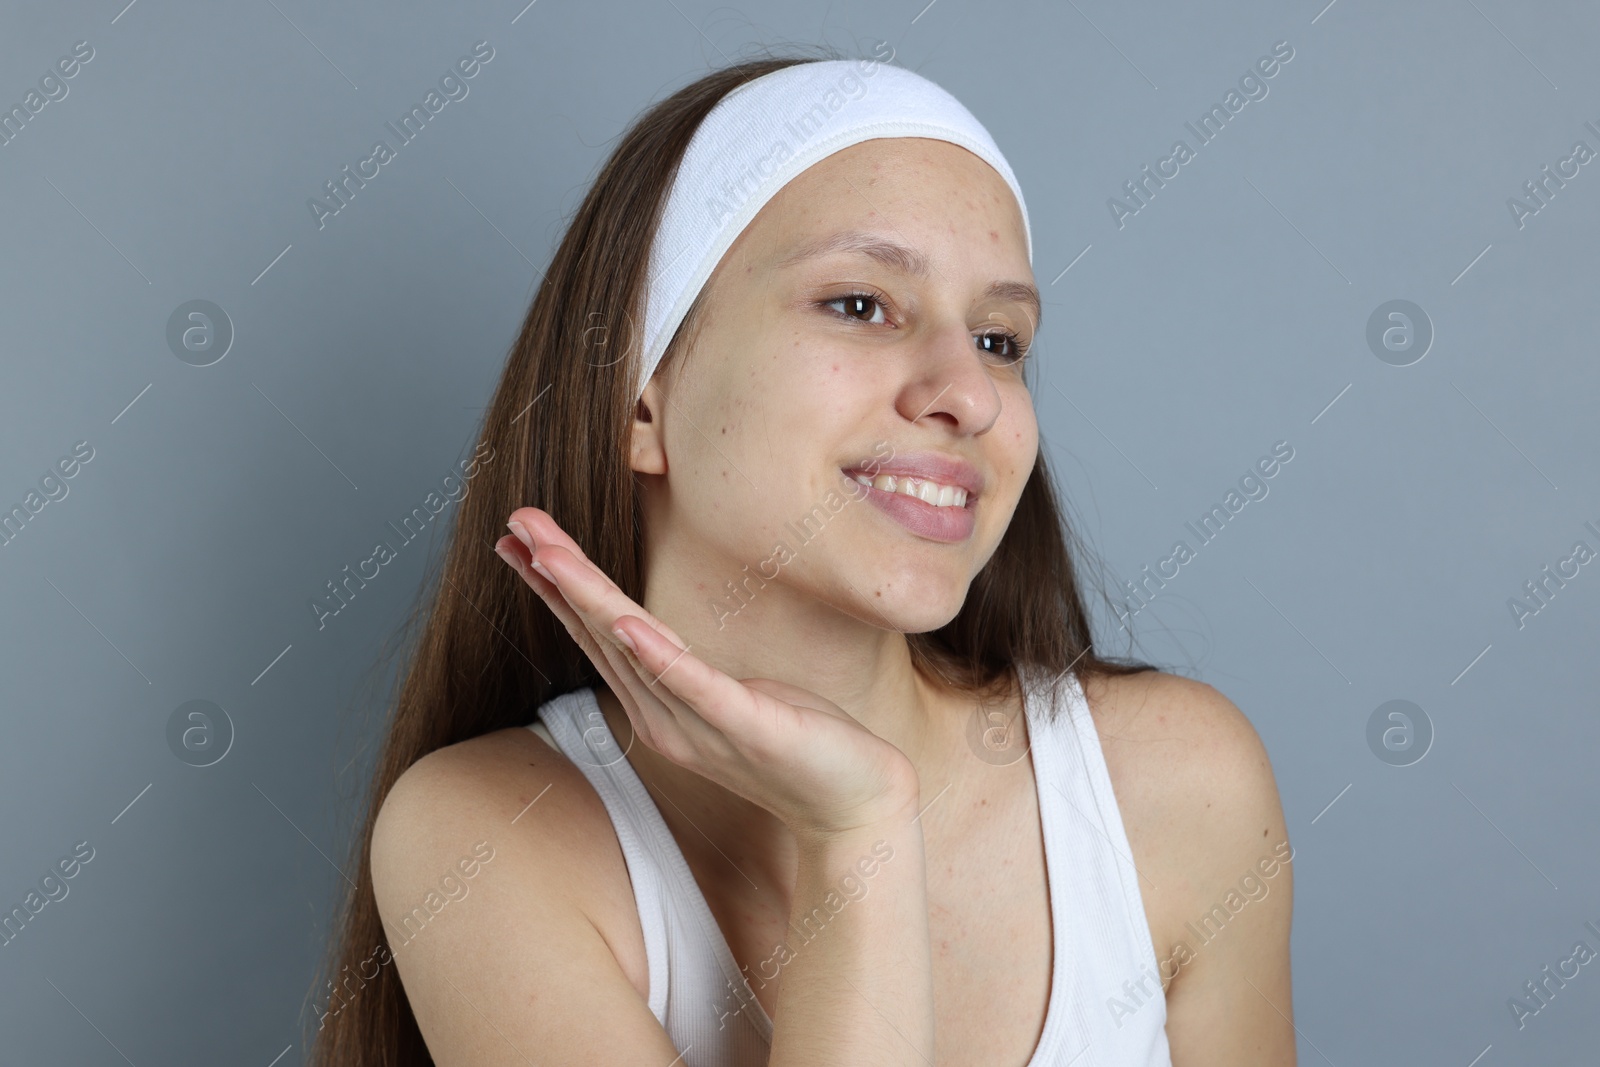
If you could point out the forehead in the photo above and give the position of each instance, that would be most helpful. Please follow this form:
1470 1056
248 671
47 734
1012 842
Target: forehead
920 187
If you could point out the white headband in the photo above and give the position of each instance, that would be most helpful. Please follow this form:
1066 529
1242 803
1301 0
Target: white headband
762 135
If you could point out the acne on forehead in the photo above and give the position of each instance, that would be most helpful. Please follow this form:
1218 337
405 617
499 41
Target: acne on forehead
801 208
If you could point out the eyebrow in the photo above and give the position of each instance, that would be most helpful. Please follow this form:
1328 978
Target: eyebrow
907 261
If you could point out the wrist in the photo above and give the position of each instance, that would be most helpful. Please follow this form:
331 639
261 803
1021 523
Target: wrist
895 823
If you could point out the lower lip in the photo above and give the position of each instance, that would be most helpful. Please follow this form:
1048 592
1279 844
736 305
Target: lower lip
920 517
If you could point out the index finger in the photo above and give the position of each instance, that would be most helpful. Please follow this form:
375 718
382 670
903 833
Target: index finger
723 702
546 531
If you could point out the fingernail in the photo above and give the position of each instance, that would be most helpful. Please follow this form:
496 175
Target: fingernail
503 554
542 572
622 636
521 533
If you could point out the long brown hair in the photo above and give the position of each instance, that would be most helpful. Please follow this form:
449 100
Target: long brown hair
556 437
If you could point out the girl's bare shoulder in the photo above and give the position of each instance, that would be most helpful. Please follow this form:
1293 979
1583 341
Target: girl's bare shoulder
1192 779
553 839
510 781
1165 724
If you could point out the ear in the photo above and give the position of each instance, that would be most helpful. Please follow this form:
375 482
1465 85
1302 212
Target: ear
647 453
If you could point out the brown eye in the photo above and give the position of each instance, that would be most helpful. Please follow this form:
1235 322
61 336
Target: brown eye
859 306
1003 344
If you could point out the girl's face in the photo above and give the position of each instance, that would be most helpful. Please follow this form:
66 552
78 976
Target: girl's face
872 319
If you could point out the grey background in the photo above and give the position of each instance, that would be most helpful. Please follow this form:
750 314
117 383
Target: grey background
1228 314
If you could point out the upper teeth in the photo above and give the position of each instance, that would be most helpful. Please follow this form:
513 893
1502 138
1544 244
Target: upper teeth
940 496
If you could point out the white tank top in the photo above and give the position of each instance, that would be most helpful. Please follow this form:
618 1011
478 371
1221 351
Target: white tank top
1106 1006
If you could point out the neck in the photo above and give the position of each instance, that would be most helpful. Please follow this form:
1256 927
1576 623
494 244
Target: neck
769 621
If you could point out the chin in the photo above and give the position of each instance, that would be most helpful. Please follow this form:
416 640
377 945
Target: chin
915 603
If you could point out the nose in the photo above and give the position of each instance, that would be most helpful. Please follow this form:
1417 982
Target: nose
949 382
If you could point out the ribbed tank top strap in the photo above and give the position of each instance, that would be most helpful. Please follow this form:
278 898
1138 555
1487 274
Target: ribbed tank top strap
1095 893
697 991
574 720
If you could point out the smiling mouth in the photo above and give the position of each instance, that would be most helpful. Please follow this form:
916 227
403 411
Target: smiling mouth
929 492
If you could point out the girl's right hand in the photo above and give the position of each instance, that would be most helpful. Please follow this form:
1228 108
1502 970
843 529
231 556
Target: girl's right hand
786 749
